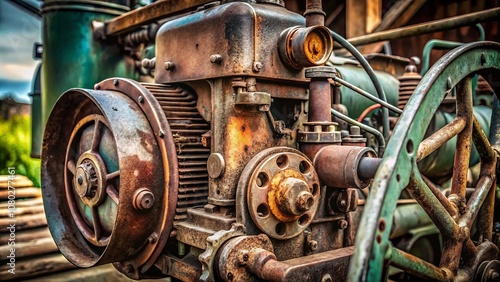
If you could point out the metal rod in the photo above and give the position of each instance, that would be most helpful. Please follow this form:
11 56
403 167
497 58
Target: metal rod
438 138
368 95
450 208
438 214
428 27
369 70
376 133
482 143
464 138
476 200
415 265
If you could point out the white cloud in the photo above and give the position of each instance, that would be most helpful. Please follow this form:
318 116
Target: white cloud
18 72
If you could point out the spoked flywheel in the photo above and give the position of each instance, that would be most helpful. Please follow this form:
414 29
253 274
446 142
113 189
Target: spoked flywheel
464 221
110 193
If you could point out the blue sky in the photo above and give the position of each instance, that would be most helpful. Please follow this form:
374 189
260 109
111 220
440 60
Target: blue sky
19 30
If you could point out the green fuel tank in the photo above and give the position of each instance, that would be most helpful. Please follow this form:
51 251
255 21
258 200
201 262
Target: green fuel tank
72 57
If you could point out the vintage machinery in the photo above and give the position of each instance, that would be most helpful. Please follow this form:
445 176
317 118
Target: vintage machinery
239 162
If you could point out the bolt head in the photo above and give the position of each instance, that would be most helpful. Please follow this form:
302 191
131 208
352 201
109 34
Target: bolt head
257 66
153 238
169 66
145 63
313 245
144 199
216 59
342 224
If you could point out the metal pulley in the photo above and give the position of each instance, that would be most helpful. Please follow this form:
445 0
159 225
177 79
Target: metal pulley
103 187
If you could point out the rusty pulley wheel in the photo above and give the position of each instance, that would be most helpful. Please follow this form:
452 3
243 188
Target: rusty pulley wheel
104 191
464 222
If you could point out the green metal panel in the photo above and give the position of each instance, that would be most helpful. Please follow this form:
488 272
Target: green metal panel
71 56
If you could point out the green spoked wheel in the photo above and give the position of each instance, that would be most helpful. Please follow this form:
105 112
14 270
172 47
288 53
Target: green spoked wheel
456 215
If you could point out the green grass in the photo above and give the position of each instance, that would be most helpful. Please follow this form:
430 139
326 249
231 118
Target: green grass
15 147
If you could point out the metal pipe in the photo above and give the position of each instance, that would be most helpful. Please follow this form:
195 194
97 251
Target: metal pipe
320 100
428 27
443 44
314 13
376 133
369 70
415 265
368 167
367 95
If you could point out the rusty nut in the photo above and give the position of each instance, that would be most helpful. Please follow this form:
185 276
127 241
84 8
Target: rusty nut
143 199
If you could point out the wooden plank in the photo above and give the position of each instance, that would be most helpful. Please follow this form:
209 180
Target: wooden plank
408 14
101 273
26 235
28 249
24 222
373 14
36 266
22 210
30 192
23 203
398 15
17 181
355 18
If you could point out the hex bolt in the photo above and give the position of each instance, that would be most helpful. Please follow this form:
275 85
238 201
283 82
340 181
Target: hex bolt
115 82
215 59
143 199
141 99
342 224
257 66
169 66
313 245
161 133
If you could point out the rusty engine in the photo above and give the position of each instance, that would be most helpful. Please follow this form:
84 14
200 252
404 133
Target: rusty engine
247 151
